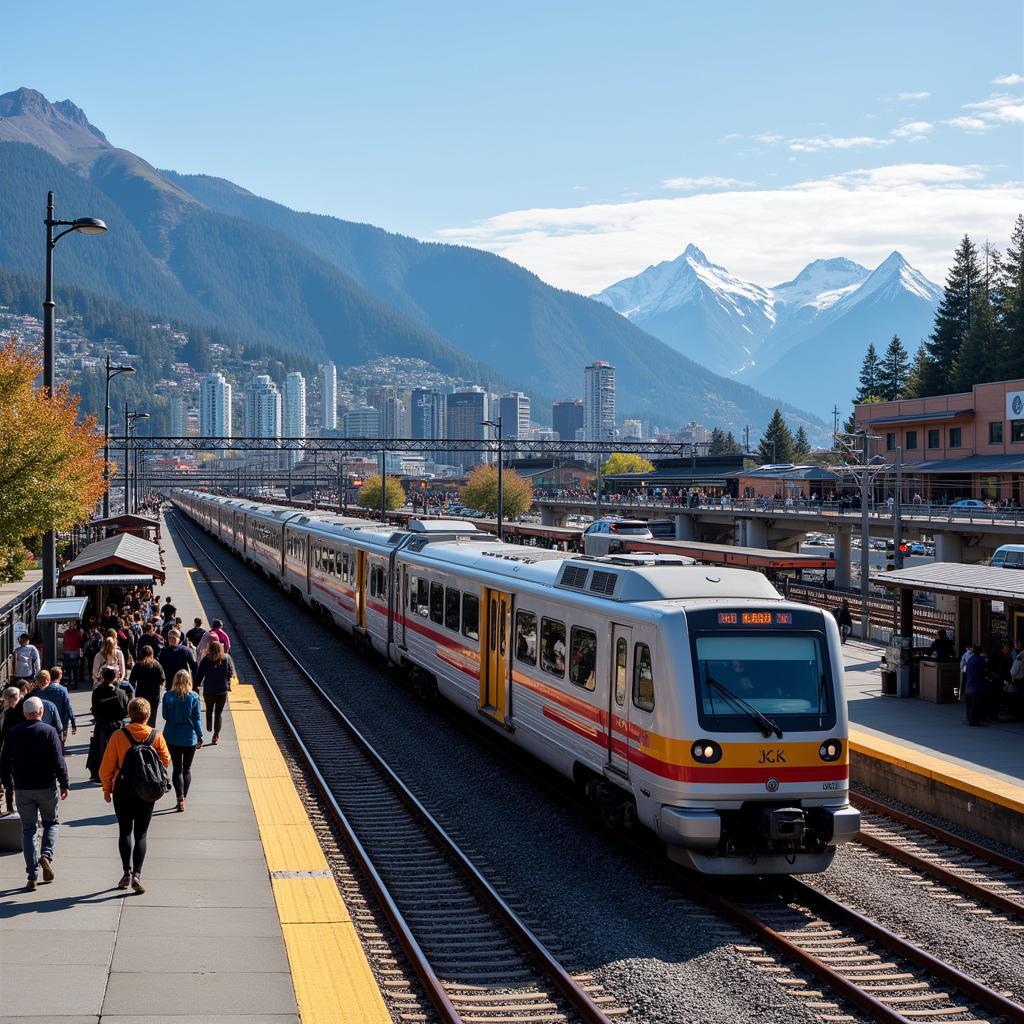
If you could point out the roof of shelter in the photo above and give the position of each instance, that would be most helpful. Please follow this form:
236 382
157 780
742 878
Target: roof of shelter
954 578
124 552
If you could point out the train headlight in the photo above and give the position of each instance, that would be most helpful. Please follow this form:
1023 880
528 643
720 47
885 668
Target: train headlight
706 751
831 750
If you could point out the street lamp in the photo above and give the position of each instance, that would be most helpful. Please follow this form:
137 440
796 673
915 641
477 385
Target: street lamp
130 419
87 226
112 372
496 424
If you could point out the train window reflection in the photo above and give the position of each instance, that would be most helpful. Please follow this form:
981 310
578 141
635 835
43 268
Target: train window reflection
471 616
436 603
526 637
552 646
583 657
643 678
621 656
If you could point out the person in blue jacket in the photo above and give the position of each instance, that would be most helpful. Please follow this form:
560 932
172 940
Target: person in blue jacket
183 731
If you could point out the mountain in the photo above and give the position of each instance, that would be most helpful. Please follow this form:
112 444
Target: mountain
780 339
208 251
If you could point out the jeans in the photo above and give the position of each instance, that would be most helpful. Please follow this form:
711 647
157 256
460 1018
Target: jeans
214 711
181 769
133 818
73 666
33 805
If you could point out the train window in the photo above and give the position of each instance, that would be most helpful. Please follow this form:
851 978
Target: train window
344 566
412 593
422 598
452 608
643 678
471 616
583 657
316 558
436 603
382 582
621 657
552 646
330 561
526 637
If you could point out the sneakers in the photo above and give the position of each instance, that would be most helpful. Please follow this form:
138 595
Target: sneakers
216 738
181 804
30 885
137 884
44 863
126 880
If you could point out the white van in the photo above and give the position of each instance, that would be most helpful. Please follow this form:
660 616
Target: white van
1009 556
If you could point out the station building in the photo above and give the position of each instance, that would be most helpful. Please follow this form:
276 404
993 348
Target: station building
965 445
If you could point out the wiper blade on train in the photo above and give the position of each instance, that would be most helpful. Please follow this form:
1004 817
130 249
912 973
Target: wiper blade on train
767 725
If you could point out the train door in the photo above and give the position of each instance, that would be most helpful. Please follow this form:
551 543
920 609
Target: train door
360 589
494 654
618 698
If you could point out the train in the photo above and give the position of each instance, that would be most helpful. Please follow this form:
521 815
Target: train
692 700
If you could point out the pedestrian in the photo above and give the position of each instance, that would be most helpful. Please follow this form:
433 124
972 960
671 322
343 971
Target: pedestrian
147 677
942 648
74 639
109 656
109 708
32 762
215 674
215 632
845 621
26 660
175 657
8 719
168 611
128 771
964 658
196 633
976 685
183 732
48 687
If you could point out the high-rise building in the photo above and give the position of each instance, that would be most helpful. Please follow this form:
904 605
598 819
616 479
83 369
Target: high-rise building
215 406
598 401
466 409
329 397
294 406
514 409
567 418
362 421
262 408
386 400
633 429
427 414
179 416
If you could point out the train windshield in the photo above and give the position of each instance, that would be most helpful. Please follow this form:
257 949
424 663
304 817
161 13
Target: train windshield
744 680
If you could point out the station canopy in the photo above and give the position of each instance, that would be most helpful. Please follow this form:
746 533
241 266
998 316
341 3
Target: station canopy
122 559
954 578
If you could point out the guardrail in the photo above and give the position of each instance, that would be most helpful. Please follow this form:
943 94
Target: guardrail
882 610
21 609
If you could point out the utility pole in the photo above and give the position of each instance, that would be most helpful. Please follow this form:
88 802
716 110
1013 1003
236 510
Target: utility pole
897 521
865 546
383 485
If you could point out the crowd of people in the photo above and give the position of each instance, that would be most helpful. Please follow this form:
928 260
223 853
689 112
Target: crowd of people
140 661
992 682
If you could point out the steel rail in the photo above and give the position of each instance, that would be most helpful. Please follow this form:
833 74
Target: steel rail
566 984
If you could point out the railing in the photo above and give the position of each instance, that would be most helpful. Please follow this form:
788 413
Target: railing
21 610
882 608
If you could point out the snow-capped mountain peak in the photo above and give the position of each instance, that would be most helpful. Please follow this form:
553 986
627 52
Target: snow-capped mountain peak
820 283
895 274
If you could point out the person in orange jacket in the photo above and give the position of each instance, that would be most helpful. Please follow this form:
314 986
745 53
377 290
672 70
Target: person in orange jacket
133 813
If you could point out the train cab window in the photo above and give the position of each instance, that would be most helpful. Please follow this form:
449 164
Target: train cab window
436 603
643 678
526 637
621 657
552 646
583 657
471 616
452 608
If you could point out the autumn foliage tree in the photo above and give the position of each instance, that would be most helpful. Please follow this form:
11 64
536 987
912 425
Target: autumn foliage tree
369 493
481 491
626 462
51 464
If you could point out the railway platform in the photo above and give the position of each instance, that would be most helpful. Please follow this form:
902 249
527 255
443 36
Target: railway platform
925 755
241 919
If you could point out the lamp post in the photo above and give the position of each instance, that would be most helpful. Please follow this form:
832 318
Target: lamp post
87 226
496 424
130 419
112 372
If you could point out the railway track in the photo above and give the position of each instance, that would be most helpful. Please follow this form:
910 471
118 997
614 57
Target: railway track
476 959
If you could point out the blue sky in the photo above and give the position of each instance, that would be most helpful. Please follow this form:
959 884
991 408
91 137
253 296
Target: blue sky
583 140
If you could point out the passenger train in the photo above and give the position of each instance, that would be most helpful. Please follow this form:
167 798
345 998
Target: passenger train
694 700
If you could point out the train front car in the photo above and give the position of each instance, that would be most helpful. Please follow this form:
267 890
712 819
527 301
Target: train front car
764 780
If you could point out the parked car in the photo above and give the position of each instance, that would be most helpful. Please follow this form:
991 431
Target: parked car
917 548
968 503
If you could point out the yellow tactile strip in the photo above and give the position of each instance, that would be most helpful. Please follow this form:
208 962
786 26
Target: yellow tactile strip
332 979
977 783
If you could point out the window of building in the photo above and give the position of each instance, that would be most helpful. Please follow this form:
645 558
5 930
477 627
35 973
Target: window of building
934 438
956 437
1017 430
621 657
552 646
890 442
911 440
995 432
436 603
471 616
643 678
526 637
452 608
583 657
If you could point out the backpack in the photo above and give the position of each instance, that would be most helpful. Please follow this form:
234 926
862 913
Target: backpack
142 770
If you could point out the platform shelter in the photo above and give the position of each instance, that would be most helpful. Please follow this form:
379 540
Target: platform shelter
100 569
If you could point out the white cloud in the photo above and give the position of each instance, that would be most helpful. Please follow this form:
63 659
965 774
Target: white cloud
912 131
970 124
765 235
912 97
1000 107
831 142
689 184
1013 79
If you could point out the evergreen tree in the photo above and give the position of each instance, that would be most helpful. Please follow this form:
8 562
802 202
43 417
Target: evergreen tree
732 446
917 373
1010 304
801 446
893 371
952 320
776 444
870 373
981 356
716 444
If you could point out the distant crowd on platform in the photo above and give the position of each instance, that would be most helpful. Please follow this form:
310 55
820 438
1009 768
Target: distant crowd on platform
992 682
137 658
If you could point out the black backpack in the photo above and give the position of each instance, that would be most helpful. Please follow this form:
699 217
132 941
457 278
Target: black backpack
142 770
